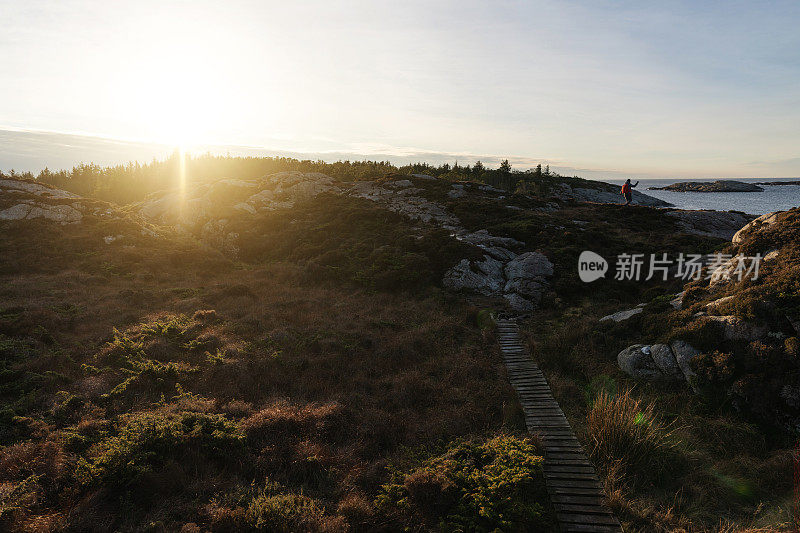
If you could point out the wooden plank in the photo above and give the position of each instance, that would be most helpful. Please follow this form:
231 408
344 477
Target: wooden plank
571 475
591 528
583 508
559 440
571 480
565 456
580 518
574 491
570 499
592 487
568 462
570 469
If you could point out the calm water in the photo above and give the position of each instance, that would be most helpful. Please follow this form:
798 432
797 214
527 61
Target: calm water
773 198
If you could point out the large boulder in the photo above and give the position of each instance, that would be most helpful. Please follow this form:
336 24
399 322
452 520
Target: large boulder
483 277
527 276
658 362
530 265
684 353
665 360
764 220
519 303
637 362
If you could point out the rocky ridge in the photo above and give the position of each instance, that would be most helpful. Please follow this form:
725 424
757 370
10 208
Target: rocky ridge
604 193
209 212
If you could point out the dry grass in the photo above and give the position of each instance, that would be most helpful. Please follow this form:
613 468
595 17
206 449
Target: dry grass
624 432
329 383
717 462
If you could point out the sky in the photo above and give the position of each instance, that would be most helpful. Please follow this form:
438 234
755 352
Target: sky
650 89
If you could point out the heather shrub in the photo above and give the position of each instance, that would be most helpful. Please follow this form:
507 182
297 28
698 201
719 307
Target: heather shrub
285 513
492 486
148 440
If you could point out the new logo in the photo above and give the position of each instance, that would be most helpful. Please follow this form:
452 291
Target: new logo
591 266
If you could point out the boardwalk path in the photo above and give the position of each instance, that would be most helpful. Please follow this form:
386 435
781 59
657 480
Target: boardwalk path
572 484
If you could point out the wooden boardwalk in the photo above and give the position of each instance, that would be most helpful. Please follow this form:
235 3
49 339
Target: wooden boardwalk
572 483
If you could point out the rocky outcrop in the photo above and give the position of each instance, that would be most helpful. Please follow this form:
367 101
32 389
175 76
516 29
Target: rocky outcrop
637 362
401 197
713 308
722 274
63 214
27 200
710 186
755 225
521 281
526 277
717 224
659 362
498 247
684 353
207 210
677 301
621 316
483 277
519 278
227 198
10 186
604 193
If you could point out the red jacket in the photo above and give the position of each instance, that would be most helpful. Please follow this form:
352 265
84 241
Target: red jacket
626 189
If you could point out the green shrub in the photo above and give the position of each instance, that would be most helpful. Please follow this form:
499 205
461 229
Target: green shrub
494 486
150 439
277 512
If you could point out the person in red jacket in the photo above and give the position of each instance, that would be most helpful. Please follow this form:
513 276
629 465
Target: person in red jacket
627 192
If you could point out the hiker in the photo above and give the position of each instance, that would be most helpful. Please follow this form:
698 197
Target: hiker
626 191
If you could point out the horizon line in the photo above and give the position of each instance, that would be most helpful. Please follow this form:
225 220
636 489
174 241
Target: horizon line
385 151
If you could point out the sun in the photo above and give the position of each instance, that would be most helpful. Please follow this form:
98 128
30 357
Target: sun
181 109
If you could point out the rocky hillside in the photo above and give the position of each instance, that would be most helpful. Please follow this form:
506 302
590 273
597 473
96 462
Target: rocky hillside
305 352
230 215
732 338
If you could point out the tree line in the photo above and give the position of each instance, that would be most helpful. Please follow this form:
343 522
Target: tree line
132 182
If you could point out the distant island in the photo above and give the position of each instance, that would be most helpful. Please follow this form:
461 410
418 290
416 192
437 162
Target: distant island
710 186
770 183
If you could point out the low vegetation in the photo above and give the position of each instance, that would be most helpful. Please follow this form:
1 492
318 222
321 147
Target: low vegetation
472 487
323 381
153 384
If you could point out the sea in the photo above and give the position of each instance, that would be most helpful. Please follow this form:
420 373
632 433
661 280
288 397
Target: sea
773 198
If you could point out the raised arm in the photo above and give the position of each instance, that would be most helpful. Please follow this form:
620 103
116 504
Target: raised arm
637 183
